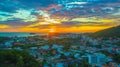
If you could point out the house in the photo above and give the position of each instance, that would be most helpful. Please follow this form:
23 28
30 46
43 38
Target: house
8 44
46 47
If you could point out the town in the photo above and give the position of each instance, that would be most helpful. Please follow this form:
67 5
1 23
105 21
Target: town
68 49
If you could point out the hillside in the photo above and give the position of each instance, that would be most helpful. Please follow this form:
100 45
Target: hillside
110 32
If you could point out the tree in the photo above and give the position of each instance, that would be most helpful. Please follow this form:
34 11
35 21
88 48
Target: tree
117 58
20 62
16 58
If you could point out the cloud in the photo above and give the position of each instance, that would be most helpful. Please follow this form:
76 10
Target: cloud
25 15
44 14
4 18
3 26
116 13
93 20
80 3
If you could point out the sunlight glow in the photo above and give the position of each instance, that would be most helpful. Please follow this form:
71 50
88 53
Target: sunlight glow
52 30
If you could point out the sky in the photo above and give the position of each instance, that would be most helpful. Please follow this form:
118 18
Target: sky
58 15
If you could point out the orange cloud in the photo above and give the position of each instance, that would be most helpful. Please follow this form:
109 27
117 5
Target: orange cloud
82 29
65 29
58 29
27 29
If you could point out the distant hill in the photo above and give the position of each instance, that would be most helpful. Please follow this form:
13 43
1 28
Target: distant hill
110 32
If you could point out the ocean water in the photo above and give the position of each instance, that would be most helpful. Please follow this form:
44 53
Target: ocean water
13 34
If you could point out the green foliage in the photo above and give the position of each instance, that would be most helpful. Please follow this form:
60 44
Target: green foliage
63 41
84 63
15 58
105 52
3 39
63 56
26 46
118 43
20 62
117 58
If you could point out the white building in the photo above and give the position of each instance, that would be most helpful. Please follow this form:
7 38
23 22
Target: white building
97 59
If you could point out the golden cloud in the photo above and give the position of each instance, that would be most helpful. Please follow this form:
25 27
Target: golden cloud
2 26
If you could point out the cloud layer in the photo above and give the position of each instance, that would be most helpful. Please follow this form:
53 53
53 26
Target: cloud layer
42 15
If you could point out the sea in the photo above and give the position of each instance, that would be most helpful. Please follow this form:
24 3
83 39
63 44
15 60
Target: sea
16 34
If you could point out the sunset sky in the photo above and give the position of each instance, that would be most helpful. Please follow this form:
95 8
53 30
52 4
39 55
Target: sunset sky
58 15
